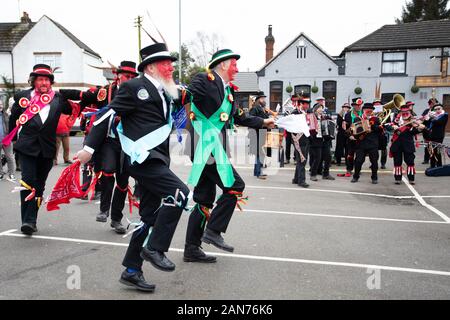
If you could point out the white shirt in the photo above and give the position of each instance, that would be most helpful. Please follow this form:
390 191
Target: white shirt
160 88
225 85
44 111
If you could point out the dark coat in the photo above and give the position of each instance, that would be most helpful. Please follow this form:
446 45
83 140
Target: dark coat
208 97
437 128
405 141
36 137
140 117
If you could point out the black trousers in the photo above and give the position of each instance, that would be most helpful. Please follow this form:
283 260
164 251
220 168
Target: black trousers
325 161
350 159
436 158
110 155
159 186
205 195
408 157
360 158
341 148
300 172
35 171
288 145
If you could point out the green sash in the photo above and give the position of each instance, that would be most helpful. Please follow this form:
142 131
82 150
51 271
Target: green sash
209 131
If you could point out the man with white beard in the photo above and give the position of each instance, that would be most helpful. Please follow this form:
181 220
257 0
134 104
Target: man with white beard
145 105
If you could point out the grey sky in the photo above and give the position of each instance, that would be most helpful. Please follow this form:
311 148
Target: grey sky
107 26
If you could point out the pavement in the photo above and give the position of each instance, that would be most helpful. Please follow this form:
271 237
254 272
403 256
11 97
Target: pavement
336 240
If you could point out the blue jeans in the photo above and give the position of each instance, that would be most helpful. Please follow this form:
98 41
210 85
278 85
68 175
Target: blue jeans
258 167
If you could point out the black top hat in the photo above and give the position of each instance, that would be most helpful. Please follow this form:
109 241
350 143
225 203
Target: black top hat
260 95
368 105
222 55
127 66
153 53
357 101
437 105
43 70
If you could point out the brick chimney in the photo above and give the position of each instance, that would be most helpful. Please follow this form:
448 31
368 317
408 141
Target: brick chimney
25 18
270 41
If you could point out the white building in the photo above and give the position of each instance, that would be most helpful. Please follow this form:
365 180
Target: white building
26 43
394 58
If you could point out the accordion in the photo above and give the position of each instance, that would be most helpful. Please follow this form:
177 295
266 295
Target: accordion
328 128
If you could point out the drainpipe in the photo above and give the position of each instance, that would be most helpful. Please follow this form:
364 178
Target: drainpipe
12 73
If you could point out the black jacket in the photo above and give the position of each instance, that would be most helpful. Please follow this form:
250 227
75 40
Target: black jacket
258 111
140 117
103 129
405 140
437 128
208 97
36 137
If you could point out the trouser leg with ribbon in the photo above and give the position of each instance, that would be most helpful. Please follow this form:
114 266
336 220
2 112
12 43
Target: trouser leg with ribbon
35 171
409 158
398 170
163 199
301 145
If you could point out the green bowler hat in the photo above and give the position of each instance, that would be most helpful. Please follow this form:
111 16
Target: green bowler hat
222 55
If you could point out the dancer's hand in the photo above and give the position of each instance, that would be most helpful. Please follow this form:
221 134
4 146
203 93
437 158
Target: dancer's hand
269 123
83 156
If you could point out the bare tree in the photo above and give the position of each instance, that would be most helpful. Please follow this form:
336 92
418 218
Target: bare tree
204 46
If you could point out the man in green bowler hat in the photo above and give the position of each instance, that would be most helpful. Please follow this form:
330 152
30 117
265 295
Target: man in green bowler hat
213 112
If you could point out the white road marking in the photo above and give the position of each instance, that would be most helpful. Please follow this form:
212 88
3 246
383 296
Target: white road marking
8 232
261 258
331 170
344 217
424 203
333 191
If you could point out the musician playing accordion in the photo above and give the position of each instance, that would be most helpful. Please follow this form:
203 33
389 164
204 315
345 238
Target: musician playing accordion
404 128
367 139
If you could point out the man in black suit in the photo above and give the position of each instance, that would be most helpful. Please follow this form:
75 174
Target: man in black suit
104 139
145 105
34 118
437 122
213 112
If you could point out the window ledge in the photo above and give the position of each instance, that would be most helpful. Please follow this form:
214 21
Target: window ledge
384 75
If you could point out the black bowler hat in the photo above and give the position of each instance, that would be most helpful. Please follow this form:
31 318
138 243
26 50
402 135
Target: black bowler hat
43 70
368 105
260 95
222 55
127 66
357 101
153 53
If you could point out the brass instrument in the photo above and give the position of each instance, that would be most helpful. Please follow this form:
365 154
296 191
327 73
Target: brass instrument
361 127
396 103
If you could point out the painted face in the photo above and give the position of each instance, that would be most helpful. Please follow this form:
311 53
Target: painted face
232 69
368 112
406 114
42 84
124 77
165 69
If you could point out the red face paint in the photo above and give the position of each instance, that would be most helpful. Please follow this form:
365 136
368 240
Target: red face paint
124 77
165 69
368 112
232 70
42 85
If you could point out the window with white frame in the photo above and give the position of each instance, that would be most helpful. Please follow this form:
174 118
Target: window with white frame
394 63
53 59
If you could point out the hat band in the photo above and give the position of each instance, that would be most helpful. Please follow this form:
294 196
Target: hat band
42 71
158 54
127 69
221 57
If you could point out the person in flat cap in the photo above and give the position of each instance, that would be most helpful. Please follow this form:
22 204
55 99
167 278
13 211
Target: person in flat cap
367 143
35 114
425 133
103 140
341 137
145 106
350 118
404 129
213 112
258 137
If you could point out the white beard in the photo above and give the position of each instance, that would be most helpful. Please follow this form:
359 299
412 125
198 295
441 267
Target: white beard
169 86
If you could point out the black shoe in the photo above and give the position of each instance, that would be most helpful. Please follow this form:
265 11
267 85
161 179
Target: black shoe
314 178
118 227
214 238
262 177
303 185
157 259
355 180
102 217
426 162
287 162
294 181
137 281
195 254
328 178
398 183
412 183
28 229
374 181
383 167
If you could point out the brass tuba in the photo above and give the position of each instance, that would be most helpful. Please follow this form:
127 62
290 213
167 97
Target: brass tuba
396 103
